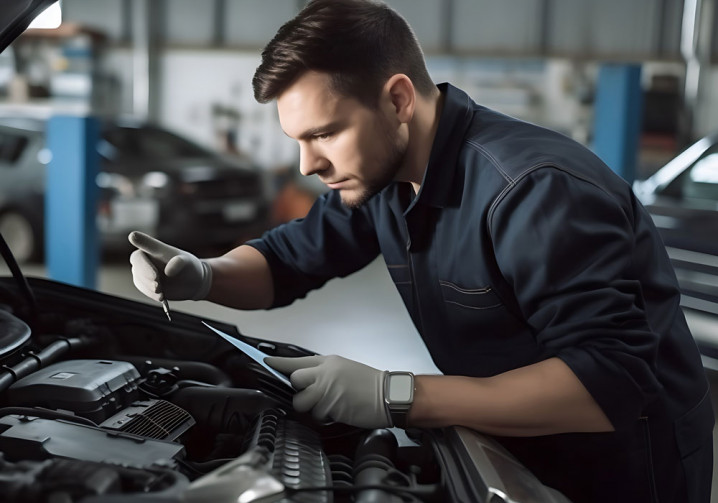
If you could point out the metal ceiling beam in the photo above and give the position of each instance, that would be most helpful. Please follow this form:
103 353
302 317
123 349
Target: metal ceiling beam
696 30
148 21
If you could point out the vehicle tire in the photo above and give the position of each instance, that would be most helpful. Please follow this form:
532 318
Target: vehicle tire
20 236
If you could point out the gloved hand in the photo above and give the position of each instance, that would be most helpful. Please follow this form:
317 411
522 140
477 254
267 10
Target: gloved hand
336 388
161 271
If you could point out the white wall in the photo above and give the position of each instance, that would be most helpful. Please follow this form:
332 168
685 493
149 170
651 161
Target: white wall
546 92
194 81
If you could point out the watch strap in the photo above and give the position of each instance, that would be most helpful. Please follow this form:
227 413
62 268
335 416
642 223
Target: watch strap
399 412
399 417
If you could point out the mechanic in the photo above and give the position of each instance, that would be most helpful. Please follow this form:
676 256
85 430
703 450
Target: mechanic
537 281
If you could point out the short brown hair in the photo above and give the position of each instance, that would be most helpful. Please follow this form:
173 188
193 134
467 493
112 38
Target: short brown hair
359 43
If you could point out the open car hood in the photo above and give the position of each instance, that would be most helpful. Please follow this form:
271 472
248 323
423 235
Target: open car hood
16 16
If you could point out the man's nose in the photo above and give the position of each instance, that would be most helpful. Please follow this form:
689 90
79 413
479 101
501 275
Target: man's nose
310 161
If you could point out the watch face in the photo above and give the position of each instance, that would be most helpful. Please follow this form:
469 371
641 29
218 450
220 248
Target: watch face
401 388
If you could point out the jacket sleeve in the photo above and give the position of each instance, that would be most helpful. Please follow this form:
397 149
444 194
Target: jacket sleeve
567 249
331 241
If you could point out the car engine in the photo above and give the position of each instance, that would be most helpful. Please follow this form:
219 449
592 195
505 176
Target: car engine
104 400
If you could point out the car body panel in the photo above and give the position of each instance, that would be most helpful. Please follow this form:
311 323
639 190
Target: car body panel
16 16
682 199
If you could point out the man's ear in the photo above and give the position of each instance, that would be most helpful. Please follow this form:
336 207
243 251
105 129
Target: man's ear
401 96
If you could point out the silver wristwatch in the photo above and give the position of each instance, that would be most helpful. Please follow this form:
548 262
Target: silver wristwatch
398 396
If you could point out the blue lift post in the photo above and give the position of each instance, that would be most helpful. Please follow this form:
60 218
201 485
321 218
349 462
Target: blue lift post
71 193
617 119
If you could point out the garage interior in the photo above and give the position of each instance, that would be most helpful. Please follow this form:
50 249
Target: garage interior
635 81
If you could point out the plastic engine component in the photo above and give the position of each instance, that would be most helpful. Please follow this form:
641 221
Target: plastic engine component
94 389
25 437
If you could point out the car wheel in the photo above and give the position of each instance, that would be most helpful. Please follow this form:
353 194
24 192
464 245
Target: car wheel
20 236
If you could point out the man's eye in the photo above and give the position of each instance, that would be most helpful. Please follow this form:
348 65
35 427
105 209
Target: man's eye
323 136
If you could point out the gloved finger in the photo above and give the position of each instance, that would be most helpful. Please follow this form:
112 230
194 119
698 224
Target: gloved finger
306 399
287 365
144 272
153 247
303 378
145 275
142 266
324 407
320 415
148 288
175 265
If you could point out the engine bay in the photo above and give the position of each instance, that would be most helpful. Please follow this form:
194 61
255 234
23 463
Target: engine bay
104 400
102 396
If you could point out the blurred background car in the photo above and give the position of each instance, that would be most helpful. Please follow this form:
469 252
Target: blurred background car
682 198
150 179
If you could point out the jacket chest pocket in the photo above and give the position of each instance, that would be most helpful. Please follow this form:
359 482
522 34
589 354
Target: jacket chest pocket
476 298
478 317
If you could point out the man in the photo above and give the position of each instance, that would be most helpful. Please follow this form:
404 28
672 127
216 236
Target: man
535 278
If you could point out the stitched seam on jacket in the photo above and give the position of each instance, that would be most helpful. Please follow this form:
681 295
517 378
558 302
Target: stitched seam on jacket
523 175
472 291
473 307
491 159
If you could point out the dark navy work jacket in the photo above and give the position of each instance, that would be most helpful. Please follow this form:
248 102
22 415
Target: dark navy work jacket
521 246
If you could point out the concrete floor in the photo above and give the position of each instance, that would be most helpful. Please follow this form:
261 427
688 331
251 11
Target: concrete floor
360 317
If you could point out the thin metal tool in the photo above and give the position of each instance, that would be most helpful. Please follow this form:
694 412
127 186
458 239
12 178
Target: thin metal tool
166 308
254 353
165 304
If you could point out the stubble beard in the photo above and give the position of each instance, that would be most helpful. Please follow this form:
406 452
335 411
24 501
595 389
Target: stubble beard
392 161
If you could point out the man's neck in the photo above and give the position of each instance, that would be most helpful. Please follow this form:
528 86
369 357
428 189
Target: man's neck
422 132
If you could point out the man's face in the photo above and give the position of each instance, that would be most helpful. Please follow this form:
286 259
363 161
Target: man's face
351 148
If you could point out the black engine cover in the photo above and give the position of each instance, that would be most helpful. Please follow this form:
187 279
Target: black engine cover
94 389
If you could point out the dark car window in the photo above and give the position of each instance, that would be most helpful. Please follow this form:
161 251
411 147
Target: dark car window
700 181
11 146
147 144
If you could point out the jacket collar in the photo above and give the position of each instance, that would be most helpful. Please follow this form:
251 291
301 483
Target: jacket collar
455 120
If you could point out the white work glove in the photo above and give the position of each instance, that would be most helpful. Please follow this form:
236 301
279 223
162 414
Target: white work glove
335 388
161 271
